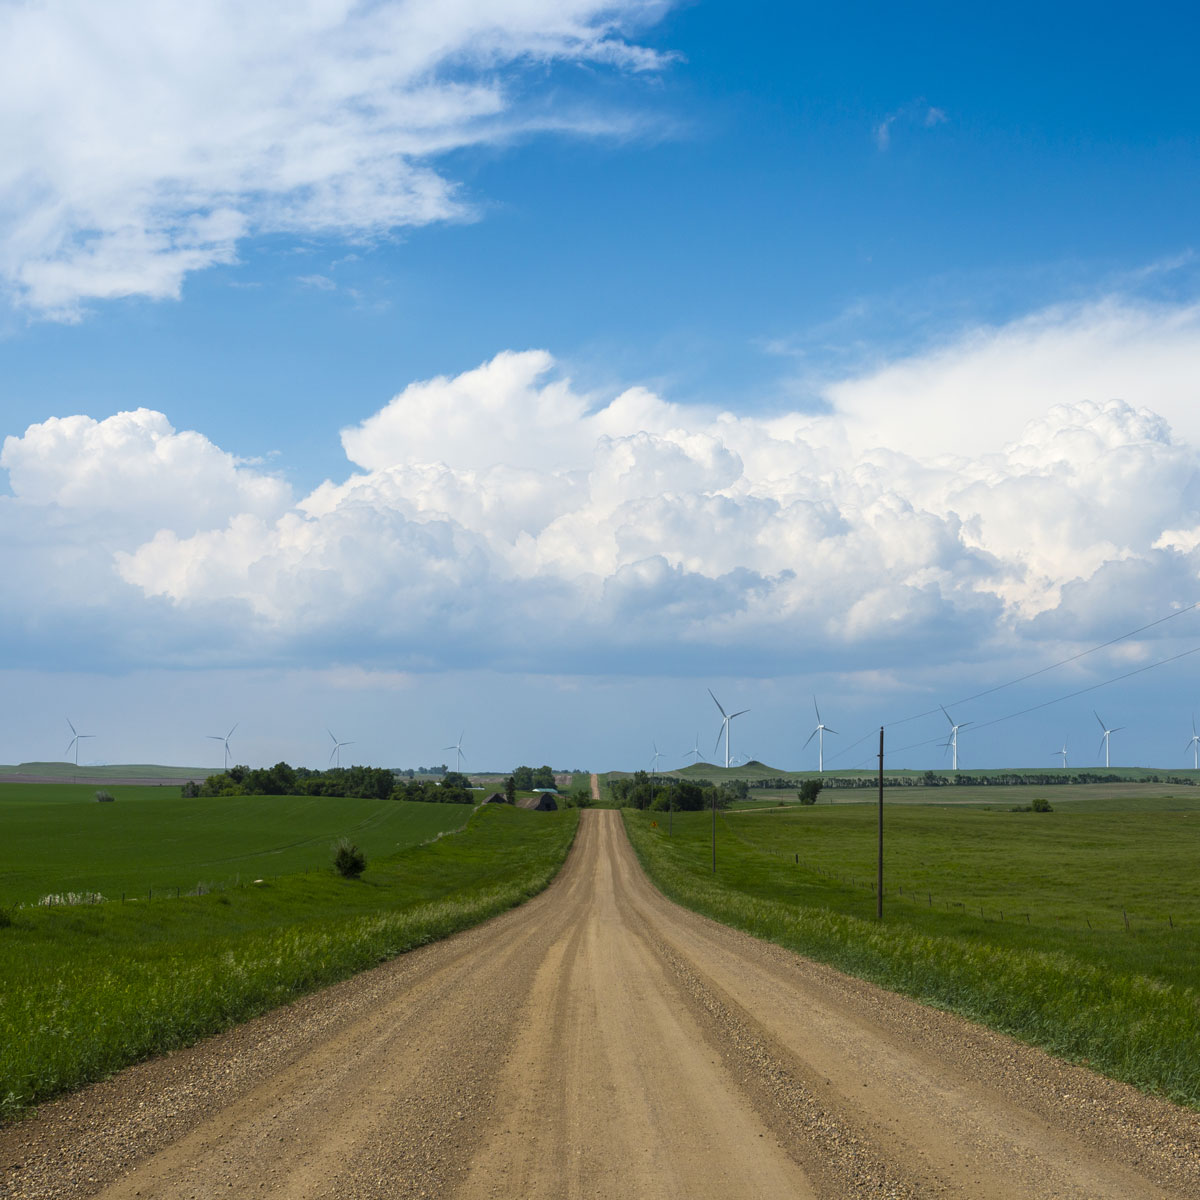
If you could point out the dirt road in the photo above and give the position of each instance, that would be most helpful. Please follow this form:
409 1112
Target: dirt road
600 1042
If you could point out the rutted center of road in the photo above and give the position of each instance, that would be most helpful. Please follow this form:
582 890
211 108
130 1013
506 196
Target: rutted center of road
601 1042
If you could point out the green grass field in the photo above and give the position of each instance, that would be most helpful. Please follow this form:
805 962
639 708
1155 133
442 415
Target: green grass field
58 839
994 795
89 989
1014 919
65 772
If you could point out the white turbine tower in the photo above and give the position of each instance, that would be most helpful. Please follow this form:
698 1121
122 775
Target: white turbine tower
1194 745
726 721
1063 753
336 752
819 734
1104 737
76 738
952 740
457 748
216 737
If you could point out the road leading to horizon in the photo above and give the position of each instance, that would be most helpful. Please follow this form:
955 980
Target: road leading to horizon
601 1042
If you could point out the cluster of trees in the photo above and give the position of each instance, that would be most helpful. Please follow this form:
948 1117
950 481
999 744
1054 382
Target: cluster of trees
365 783
526 779
453 789
662 792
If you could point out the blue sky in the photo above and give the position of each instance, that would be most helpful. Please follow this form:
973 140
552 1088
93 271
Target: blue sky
528 368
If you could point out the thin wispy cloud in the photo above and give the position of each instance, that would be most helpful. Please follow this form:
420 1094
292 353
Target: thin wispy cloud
917 114
130 159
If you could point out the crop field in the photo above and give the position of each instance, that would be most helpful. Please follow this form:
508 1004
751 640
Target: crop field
58 839
992 795
1078 929
91 988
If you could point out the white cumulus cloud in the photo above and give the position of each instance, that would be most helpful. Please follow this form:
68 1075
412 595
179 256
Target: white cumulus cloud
141 140
507 518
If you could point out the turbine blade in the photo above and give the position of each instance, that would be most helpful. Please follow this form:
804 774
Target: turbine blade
810 738
947 715
235 725
1097 716
828 730
72 727
738 714
816 710
716 702
331 737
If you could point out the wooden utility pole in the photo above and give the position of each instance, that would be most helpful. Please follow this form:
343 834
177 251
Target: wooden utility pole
879 864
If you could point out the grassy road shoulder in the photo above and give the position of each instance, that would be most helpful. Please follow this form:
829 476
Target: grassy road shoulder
92 989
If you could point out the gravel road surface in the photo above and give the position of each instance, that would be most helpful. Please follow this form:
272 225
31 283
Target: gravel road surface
601 1042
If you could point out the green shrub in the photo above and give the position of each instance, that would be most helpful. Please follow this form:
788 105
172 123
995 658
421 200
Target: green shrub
348 860
1041 804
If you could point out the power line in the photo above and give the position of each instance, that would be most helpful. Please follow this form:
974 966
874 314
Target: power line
1162 662
1032 675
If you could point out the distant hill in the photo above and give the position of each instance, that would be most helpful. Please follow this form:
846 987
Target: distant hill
60 772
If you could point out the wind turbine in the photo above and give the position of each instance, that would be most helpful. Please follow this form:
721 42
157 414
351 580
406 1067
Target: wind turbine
457 748
216 737
1104 737
952 740
336 752
654 760
819 734
726 721
1194 745
696 752
73 744
1063 752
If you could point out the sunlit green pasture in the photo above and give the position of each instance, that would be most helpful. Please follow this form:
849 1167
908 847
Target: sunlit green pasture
1017 919
57 839
89 989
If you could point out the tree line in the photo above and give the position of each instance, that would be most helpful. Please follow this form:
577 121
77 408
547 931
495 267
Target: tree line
662 792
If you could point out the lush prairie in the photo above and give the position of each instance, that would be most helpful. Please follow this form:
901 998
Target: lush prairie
92 988
1017 919
58 839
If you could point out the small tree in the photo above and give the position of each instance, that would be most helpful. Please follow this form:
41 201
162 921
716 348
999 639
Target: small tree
810 789
348 860
190 790
1041 804
510 790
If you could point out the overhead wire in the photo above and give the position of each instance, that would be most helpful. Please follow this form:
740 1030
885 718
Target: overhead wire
1032 675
